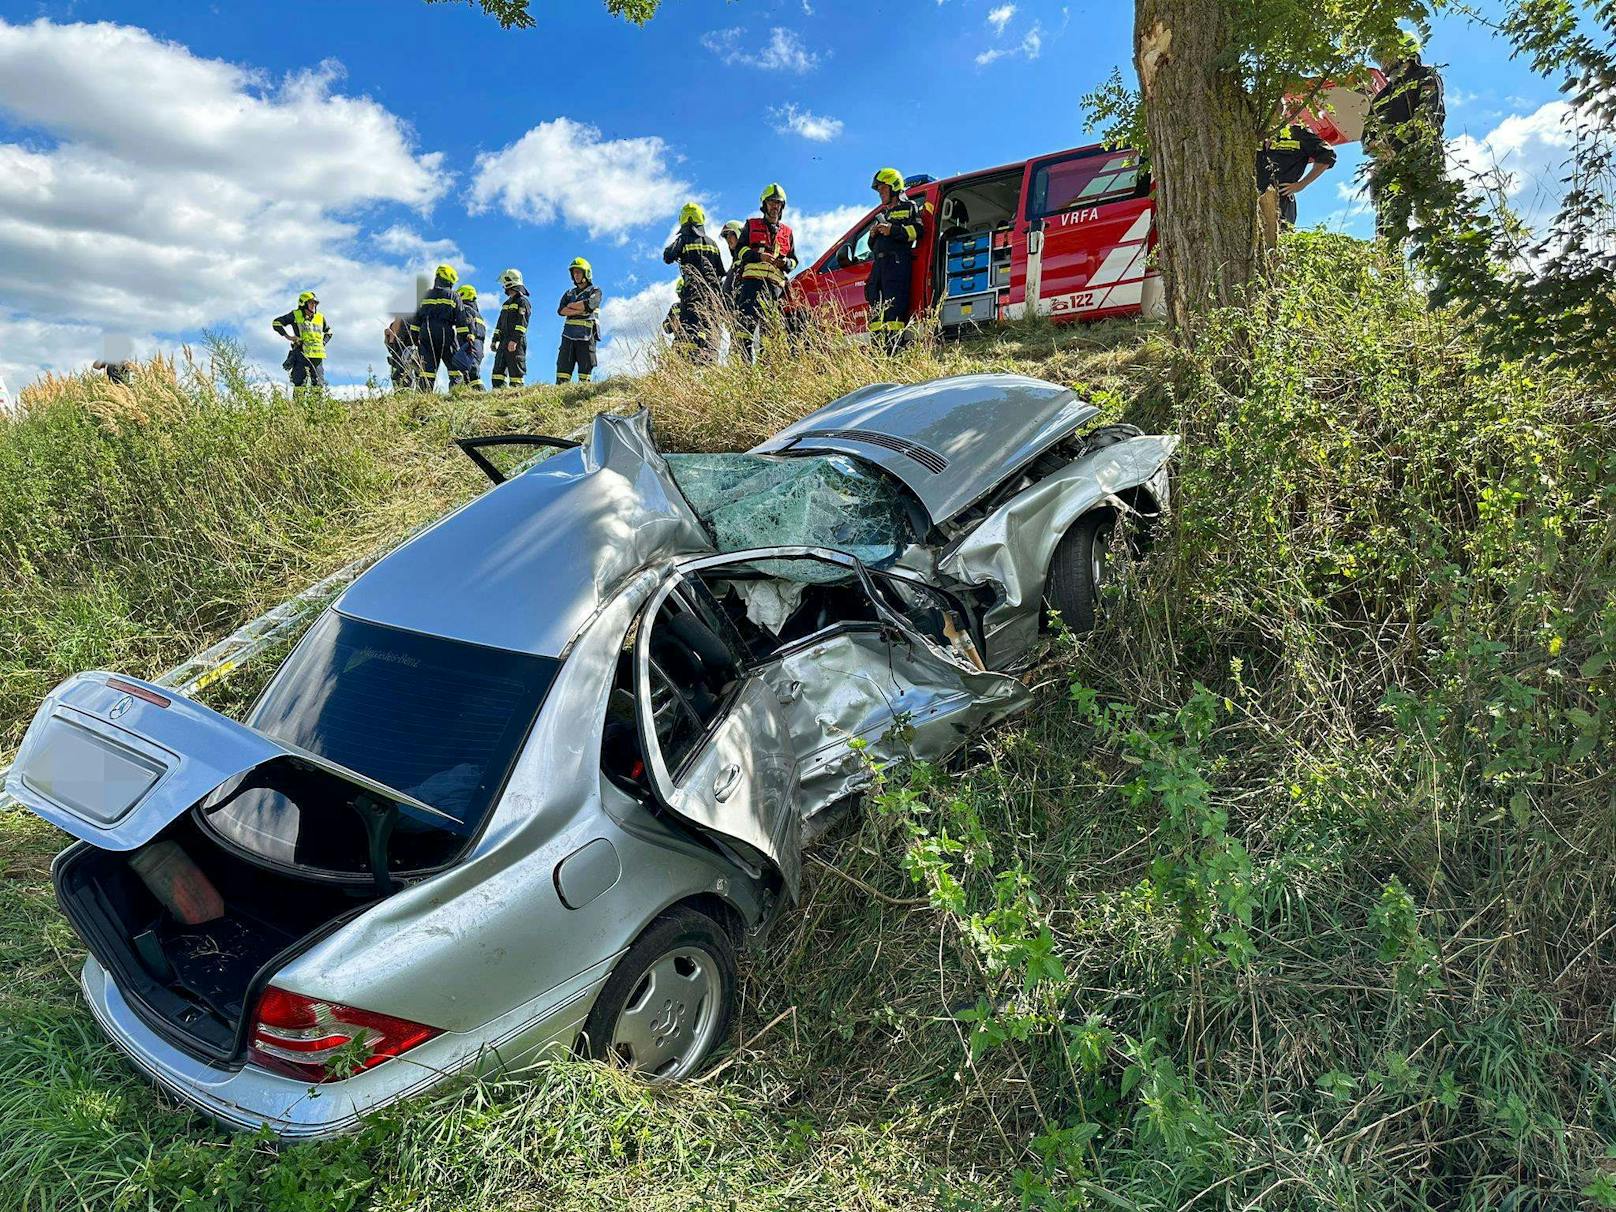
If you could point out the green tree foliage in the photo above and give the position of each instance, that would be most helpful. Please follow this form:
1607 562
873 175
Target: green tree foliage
1551 293
1214 79
514 14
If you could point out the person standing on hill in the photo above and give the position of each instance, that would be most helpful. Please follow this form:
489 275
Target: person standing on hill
402 364
466 367
118 372
1403 137
1291 160
437 317
305 327
892 259
768 254
701 268
580 330
510 332
729 288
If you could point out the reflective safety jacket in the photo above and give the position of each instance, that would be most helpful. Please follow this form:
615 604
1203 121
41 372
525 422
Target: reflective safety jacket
587 326
437 319
758 236
472 330
699 261
907 219
1285 157
514 314
312 334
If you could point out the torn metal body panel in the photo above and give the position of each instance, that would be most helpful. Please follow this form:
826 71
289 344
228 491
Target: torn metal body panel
1010 550
614 687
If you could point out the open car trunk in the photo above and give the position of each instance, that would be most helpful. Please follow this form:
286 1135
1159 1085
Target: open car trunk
212 852
196 984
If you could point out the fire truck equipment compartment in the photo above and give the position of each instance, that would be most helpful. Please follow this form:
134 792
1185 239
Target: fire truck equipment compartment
970 309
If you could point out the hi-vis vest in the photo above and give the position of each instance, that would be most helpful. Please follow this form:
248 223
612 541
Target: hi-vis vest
311 333
757 236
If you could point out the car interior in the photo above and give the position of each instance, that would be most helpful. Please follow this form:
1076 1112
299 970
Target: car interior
723 622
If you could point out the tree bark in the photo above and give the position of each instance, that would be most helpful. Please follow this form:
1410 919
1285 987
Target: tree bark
1203 141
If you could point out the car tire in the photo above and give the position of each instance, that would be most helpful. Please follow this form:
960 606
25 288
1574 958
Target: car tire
1077 570
669 1001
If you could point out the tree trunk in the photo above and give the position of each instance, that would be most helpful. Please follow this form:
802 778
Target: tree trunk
1203 141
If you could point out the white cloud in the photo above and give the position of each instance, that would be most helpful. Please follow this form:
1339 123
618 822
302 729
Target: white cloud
171 193
809 125
1000 17
566 170
1525 155
784 51
815 233
632 326
1030 47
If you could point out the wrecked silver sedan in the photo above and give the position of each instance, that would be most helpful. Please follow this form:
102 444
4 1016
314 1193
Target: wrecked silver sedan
531 780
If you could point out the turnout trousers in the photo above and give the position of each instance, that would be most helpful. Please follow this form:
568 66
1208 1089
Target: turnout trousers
575 355
758 309
887 291
510 368
306 371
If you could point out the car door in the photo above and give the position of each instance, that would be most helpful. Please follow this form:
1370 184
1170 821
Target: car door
1084 234
862 669
503 455
837 279
716 741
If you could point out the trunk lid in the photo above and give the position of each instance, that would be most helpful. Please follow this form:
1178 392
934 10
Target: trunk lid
114 760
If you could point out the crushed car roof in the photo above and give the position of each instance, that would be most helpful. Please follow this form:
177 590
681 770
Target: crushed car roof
525 565
951 441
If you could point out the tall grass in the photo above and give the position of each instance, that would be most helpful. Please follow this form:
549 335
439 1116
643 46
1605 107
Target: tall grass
1292 892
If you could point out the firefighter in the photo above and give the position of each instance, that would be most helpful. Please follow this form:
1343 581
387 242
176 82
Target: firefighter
466 366
305 328
433 327
892 259
731 234
117 372
510 333
402 364
702 274
580 330
768 254
1289 162
1403 137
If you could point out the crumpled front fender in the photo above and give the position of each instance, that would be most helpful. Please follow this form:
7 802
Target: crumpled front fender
1011 549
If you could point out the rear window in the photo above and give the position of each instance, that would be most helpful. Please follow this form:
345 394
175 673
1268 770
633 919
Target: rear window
1085 181
440 720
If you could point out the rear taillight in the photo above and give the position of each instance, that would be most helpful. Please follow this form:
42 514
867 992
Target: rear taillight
317 1041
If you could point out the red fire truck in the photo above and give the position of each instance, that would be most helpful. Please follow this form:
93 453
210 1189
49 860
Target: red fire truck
1067 235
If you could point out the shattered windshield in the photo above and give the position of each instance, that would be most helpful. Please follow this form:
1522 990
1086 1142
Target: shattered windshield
747 501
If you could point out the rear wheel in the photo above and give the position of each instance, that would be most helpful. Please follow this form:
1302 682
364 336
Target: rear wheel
1077 570
669 1001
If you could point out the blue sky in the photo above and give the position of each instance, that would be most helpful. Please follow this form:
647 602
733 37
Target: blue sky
169 168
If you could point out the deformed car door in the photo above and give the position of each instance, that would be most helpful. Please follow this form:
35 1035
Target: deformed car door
884 657
717 746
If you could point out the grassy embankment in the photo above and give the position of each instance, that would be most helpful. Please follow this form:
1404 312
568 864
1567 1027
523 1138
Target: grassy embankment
1292 892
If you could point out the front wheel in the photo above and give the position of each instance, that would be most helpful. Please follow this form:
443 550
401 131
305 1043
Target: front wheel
669 1001
1077 570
